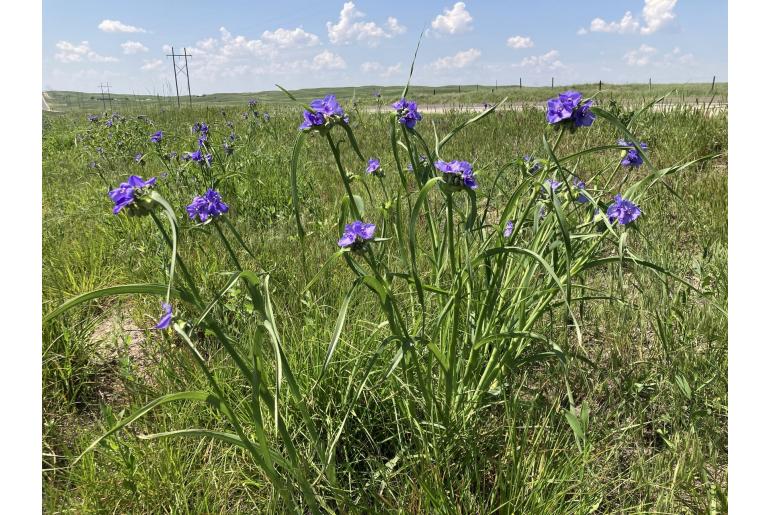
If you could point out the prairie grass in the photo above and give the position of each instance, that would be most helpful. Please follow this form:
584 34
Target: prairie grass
652 385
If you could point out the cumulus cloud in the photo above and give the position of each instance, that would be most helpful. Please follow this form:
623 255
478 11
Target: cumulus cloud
520 42
641 56
548 61
116 26
582 31
327 60
71 53
656 14
454 21
375 68
348 30
133 47
285 38
459 60
153 64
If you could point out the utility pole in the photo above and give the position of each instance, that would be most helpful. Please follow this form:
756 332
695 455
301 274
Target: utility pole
600 84
713 83
179 69
519 82
109 97
551 82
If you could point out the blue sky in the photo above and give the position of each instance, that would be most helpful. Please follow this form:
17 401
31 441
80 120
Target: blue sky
249 46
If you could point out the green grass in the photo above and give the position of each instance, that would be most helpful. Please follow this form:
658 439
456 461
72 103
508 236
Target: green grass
657 435
443 95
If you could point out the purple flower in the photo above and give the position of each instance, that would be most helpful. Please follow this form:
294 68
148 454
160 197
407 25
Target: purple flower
155 138
373 166
165 319
125 194
632 158
356 235
230 125
312 120
508 229
580 185
377 94
228 148
252 102
567 108
171 155
407 114
457 173
198 157
245 116
552 184
622 210
532 166
266 117
326 108
232 136
108 123
138 158
92 164
209 205
93 118
410 167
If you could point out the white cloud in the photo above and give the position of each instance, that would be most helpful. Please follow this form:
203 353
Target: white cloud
656 14
640 57
626 25
71 53
520 42
373 67
548 61
459 60
285 38
153 64
133 47
454 21
347 30
582 31
327 60
116 26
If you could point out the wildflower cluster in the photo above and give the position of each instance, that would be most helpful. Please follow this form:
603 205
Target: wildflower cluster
326 112
457 174
206 206
406 112
131 195
569 109
356 236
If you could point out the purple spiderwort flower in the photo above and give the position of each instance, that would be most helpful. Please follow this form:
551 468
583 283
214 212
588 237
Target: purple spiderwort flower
232 136
138 158
552 184
252 102
508 229
326 109
580 185
373 166
125 194
227 148
199 157
356 235
407 113
208 205
632 158
569 109
377 94
623 210
457 173
93 118
108 123
165 319
532 166
230 125
155 138
410 167
171 155
266 117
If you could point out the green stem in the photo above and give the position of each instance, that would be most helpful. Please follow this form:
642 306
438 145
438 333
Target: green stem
344 175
